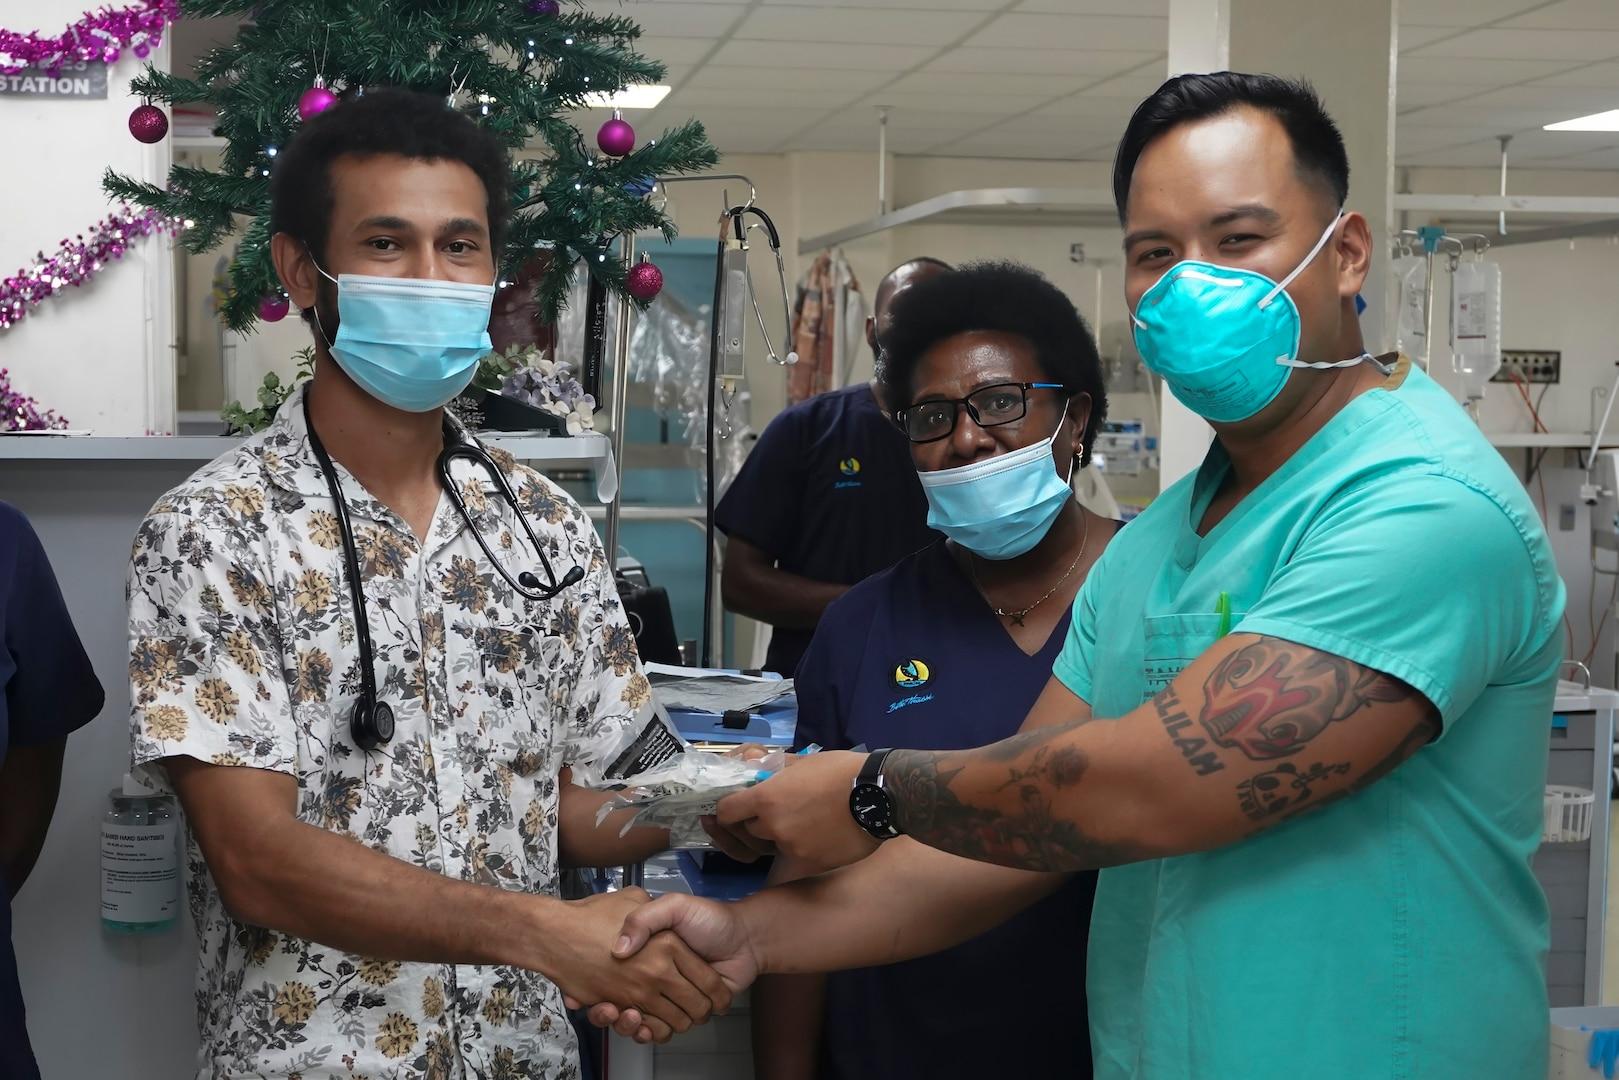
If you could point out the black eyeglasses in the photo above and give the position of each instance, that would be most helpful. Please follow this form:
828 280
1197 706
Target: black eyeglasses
989 406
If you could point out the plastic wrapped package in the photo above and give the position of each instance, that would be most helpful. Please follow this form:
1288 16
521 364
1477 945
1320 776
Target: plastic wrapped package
681 791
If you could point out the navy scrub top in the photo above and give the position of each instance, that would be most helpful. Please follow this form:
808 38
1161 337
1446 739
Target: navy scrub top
47 689
913 657
829 492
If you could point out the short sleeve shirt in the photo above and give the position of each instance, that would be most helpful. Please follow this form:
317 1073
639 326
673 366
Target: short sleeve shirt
1398 932
47 689
912 657
242 653
830 492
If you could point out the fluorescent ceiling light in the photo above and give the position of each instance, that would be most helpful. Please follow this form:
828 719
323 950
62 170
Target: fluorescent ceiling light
1602 121
637 96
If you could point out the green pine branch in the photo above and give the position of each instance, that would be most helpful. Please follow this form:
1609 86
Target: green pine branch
529 72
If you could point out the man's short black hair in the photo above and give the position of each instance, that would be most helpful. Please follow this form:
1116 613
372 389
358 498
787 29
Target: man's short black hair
1318 146
1003 296
386 120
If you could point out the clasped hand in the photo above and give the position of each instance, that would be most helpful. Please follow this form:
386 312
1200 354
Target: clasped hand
668 986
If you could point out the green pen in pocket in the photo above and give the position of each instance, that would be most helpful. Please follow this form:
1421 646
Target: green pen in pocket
1222 608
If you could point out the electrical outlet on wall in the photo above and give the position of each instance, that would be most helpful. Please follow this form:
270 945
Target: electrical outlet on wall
1531 365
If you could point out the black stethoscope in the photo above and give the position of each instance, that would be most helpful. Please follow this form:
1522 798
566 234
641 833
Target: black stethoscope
372 723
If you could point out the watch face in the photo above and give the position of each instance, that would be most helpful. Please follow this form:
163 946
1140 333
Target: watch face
872 808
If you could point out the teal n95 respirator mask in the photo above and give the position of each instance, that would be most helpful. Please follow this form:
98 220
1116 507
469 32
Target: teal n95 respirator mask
1224 339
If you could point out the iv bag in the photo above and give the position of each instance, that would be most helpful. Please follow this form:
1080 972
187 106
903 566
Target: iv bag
1475 320
1411 333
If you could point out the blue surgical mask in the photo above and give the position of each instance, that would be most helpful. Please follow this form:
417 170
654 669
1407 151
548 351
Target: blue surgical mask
1001 507
1224 339
412 343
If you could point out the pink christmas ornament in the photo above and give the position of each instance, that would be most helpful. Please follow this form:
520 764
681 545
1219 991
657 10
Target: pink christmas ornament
148 123
316 100
616 138
644 280
274 308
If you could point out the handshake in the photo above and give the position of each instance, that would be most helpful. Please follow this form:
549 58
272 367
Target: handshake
678 960
674 963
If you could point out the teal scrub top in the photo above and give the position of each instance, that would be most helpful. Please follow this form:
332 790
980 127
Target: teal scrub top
1399 932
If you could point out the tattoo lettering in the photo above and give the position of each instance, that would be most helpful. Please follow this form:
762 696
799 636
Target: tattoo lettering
1268 699
1282 789
1192 747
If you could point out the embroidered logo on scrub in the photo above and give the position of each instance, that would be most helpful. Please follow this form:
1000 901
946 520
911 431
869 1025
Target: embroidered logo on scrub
911 675
850 468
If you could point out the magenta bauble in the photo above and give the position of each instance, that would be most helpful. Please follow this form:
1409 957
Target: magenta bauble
546 8
273 308
148 123
616 137
316 100
644 281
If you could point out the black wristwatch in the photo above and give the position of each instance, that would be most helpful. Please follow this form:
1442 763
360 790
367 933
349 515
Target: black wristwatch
870 803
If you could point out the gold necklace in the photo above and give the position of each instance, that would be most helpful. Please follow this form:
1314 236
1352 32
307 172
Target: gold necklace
1017 617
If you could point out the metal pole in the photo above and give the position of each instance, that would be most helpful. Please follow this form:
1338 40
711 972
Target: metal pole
1501 220
621 390
882 160
1427 315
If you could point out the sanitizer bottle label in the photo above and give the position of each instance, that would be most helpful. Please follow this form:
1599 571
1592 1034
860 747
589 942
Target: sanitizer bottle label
140 872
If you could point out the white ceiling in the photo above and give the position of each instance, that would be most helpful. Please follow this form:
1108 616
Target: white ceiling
1058 78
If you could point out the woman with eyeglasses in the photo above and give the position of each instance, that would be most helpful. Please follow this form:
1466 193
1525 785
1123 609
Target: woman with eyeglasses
997 384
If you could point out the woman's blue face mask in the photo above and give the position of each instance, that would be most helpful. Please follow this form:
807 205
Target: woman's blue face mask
1001 507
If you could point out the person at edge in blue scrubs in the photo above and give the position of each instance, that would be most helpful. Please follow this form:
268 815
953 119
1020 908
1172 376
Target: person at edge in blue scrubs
826 498
947 650
47 690
1302 715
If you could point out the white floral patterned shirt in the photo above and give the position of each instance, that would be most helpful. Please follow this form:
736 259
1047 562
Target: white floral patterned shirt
242 652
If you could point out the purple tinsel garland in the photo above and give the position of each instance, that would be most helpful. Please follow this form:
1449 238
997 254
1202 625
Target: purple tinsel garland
19 412
98 36
77 260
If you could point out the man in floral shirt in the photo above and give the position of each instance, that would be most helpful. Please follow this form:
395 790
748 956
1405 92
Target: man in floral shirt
388 912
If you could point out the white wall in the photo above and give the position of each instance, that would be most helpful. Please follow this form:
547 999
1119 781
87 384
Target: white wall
91 353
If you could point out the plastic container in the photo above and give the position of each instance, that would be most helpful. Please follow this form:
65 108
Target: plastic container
1571 1040
1475 320
140 860
1568 814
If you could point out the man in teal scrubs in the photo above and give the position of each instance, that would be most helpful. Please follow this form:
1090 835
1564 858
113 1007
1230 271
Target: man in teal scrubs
1302 715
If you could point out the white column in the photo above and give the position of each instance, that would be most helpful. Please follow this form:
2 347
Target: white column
1348 54
1199 40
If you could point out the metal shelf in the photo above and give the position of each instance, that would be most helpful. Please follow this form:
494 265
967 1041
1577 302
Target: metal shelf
983 206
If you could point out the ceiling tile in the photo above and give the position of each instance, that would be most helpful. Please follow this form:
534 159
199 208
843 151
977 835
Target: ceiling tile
691 98
1420 95
900 5
1039 61
1134 85
1605 74
1447 69
1013 144
1097 7
820 54
731 77
1019 31
1087 104
1570 15
948 82
666 19
861 25
1451 13
674 50
1572 100
971 104
1414 37
1558 45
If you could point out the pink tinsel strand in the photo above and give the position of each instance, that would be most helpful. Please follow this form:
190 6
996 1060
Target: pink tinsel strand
99 36
19 412
77 260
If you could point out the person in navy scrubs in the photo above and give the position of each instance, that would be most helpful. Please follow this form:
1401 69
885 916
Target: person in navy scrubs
1000 393
47 689
826 498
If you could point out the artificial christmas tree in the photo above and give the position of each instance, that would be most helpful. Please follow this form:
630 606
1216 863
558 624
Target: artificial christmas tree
515 70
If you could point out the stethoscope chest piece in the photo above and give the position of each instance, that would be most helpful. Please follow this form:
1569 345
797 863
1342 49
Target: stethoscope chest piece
372 724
